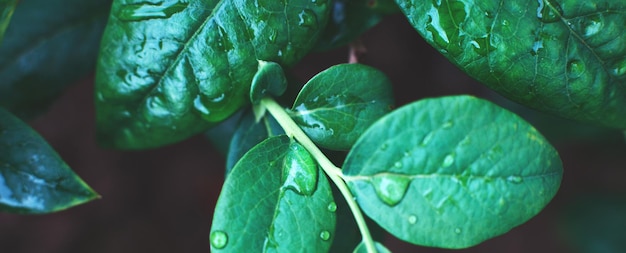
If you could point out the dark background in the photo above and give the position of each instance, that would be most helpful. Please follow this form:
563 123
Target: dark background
162 200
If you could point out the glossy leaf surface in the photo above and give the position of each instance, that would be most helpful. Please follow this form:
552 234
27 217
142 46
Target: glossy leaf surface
49 45
336 106
269 80
564 57
6 11
259 210
452 172
351 18
33 178
172 69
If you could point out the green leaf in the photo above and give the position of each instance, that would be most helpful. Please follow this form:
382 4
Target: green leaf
351 18
564 57
33 178
361 248
172 69
336 106
6 11
260 210
49 45
269 78
248 134
452 172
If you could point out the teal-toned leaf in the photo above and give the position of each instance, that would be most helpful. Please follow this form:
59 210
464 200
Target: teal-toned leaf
248 134
564 57
269 79
361 248
33 178
351 18
336 106
595 223
49 45
452 172
258 211
171 69
6 11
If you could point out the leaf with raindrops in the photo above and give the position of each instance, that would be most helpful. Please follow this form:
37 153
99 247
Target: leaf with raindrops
452 172
336 106
274 200
33 178
562 57
171 69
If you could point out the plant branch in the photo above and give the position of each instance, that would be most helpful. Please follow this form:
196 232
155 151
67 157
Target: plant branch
333 172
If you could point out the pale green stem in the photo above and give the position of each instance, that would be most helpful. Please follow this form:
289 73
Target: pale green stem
333 172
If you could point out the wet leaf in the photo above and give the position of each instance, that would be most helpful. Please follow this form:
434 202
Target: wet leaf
33 178
172 69
260 210
49 45
563 57
452 172
336 106
268 80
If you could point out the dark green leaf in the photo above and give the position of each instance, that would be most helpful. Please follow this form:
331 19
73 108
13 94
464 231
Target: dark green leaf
49 45
6 11
351 18
33 178
336 106
361 248
260 210
564 57
452 172
172 69
269 78
248 134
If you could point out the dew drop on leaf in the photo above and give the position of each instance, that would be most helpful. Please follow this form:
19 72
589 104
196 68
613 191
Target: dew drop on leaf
319 2
325 235
619 68
390 188
448 160
515 179
457 230
200 107
308 19
591 25
300 170
397 165
332 207
548 11
218 239
412 219
575 68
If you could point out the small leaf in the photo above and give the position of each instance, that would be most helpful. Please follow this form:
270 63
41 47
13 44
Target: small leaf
33 178
361 248
336 106
351 18
562 57
6 11
269 78
49 45
172 69
259 211
452 172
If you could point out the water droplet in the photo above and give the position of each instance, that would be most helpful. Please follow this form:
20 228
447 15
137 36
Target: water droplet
218 239
427 138
619 68
308 19
397 164
515 179
146 10
537 45
299 170
549 11
457 230
412 219
198 104
505 22
575 68
384 147
591 25
483 45
390 188
318 2
332 207
325 235
447 125
447 161
272 36
224 43
489 14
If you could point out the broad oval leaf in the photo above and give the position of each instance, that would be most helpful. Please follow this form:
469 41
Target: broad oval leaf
33 178
336 106
452 172
563 57
259 210
172 69
49 45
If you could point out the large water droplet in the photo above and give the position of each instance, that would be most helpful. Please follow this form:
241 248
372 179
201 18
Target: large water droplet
198 104
591 25
300 170
390 188
549 11
412 219
457 230
575 68
308 18
332 207
325 235
448 160
218 239
619 68
537 46
146 10
515 179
